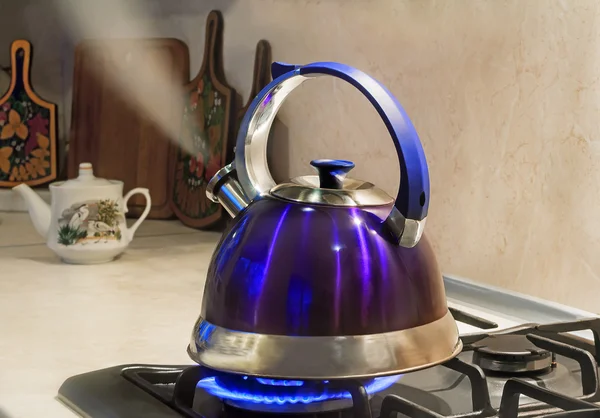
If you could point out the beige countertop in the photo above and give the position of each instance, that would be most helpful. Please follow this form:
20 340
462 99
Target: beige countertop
57 320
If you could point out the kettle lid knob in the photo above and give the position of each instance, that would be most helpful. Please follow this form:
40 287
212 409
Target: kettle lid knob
332 172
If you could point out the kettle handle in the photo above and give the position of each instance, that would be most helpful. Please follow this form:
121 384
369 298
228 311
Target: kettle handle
407 219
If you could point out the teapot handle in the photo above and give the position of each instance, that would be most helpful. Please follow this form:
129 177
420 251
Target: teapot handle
407 219
146 193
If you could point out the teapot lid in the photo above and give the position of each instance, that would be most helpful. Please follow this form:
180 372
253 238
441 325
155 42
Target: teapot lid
331 187
85 178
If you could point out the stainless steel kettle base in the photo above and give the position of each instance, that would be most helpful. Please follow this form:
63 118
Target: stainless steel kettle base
357 356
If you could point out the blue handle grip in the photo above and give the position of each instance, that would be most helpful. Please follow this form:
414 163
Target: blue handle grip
413 194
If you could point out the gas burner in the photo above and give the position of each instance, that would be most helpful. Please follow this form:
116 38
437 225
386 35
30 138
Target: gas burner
513 354
291 396
454 389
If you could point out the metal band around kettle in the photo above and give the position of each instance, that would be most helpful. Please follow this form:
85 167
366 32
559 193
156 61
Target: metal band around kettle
407 219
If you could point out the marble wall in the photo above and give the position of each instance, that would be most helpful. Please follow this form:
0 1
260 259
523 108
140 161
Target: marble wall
504 95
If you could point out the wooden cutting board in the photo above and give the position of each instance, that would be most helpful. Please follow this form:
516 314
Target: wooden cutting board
277 147
28 127
206 140
127 113
260 77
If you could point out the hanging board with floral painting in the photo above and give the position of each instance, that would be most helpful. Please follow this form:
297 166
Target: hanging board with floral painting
205 142
27 127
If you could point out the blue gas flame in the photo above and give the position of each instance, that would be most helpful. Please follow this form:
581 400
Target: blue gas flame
298 390
273 382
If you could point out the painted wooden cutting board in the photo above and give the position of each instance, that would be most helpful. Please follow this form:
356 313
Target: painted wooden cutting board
206 140
28 127
126 114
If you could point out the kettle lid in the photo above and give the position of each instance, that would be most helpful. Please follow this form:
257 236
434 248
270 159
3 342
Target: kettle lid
85 178
331 187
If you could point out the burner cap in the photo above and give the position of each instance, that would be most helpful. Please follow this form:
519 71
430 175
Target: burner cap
511 354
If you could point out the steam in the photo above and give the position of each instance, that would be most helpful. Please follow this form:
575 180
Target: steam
148 89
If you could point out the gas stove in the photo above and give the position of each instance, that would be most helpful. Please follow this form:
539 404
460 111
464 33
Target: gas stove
521 357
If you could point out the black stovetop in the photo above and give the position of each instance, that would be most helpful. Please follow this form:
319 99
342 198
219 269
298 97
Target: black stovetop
458 388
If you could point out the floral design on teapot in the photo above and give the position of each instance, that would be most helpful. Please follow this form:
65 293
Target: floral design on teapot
90 222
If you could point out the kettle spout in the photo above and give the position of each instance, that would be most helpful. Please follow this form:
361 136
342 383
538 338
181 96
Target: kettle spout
224 188
39 211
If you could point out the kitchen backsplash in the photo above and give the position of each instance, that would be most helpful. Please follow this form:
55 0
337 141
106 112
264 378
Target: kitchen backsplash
504 95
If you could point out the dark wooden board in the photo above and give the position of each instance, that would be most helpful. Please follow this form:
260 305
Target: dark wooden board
28 127
116 132
261 76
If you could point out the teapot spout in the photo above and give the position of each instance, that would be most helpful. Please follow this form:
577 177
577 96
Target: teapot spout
39 211
225 189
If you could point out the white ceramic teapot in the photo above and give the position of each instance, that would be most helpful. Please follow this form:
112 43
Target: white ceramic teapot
85 223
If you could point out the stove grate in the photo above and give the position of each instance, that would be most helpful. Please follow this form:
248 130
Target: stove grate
470 319
182 398
548 401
